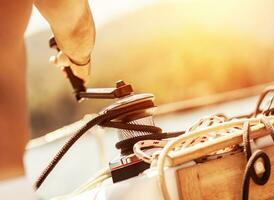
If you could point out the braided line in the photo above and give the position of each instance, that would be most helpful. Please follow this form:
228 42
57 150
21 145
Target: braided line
248 172
137 149
99 120
251 160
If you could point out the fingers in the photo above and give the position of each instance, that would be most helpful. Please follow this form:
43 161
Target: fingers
82 72
61 60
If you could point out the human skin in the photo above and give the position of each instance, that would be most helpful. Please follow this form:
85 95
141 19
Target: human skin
72 24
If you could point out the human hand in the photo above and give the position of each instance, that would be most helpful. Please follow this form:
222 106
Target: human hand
81 70
74 30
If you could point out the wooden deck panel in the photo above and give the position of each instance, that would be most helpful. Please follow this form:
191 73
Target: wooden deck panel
222 179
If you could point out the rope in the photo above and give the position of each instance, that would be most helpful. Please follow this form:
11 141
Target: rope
252 159
261 98
104 120
99 120
203 122
137 149
126 146
196 133
268 125
249 172
94 181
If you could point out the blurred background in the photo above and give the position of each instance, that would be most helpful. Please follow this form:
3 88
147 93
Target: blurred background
176 50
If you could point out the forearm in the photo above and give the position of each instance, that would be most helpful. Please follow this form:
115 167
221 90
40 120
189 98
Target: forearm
72 24
13 110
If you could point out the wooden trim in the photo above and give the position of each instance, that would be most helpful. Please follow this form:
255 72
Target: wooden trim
222 179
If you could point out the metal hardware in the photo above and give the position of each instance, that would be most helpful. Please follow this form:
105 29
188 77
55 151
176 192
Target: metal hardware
127 164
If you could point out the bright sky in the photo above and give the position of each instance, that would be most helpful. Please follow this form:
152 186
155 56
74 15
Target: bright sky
103 12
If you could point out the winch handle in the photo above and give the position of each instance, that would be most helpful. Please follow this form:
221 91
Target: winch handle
76 82
122 89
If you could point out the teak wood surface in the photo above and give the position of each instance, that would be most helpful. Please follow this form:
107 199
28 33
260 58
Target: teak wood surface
221 179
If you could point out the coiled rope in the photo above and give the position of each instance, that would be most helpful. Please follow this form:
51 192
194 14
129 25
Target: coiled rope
99 120
104 120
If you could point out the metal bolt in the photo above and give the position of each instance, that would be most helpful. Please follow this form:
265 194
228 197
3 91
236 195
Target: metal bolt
120 83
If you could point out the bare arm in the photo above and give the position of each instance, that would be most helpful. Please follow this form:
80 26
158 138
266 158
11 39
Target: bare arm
72 24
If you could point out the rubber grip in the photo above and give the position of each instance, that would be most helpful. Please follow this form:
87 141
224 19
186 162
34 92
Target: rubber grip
77 83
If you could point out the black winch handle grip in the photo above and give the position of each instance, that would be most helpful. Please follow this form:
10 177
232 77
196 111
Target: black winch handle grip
76 82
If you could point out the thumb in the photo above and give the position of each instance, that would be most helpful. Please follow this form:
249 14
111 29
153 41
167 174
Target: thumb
60 60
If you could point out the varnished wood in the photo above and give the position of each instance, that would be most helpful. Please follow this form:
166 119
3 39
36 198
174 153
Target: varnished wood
222 179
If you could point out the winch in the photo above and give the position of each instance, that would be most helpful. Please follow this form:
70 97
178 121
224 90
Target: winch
135 122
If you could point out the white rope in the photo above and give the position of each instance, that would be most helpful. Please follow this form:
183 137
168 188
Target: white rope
137 149
197 133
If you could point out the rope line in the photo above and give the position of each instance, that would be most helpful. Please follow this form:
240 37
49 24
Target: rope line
252 158
197 133
99 120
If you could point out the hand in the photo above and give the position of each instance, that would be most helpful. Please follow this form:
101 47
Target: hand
62 60
75 37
